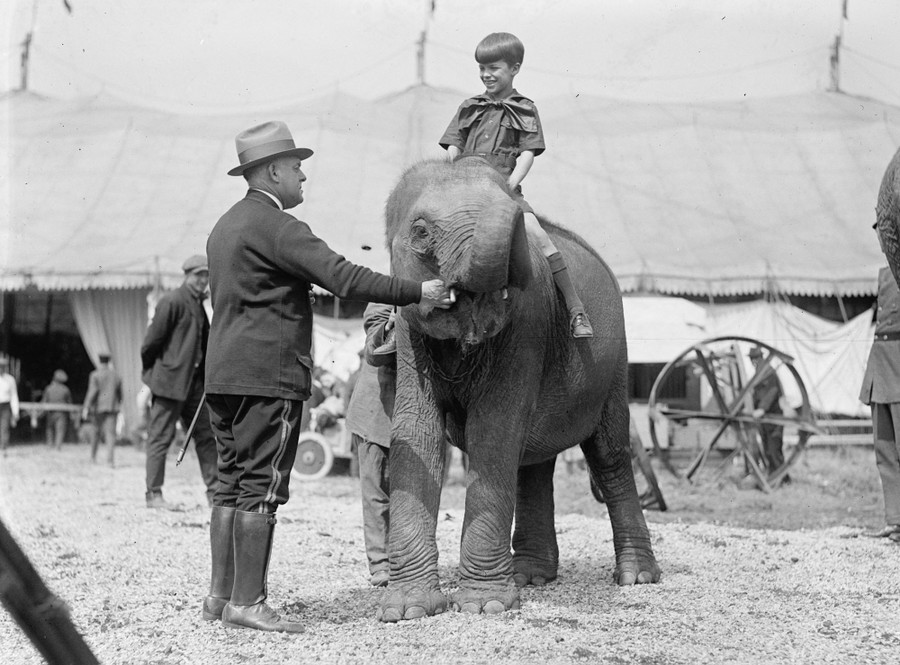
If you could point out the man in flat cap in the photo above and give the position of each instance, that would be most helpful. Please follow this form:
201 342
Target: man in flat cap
57 392
263 263
173 358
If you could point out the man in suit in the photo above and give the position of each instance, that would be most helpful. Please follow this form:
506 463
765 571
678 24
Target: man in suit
263 263
104 398
173 357
881 390
369 421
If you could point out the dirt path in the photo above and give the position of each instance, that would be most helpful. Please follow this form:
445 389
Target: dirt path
134 578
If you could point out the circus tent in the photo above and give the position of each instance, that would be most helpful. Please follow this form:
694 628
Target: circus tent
710 199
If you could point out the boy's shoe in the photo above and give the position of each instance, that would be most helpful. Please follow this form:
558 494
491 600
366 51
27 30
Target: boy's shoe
380 578
388 346
581 326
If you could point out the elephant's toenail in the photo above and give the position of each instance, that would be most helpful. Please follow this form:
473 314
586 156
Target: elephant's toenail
390 615
494 607
470 608
520 579
414 613
537 580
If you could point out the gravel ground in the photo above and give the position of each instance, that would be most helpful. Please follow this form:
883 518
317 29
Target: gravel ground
134 580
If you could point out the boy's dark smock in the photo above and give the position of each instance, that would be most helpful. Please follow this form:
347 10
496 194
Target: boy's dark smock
262 263
498 130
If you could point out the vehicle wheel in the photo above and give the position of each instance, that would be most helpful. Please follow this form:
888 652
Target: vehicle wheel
314 457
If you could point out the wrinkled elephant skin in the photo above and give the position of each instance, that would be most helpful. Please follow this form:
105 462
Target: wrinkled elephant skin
499 375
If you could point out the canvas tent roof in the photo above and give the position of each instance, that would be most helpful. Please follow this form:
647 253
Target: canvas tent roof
713 198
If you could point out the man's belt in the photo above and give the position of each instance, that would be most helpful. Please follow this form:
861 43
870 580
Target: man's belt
887 336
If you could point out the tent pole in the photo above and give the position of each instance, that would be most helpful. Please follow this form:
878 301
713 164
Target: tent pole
837 294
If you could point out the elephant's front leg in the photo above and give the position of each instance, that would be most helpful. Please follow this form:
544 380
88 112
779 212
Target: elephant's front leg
416 470
485 562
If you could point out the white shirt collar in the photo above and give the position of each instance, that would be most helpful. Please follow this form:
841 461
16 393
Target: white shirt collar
270 195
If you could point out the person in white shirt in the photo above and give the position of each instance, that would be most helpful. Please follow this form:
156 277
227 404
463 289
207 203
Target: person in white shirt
9 403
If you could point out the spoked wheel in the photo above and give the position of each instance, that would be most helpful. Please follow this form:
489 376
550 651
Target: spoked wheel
719 421
314 457
644 477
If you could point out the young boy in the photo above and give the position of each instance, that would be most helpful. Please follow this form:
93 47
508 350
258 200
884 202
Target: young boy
503 127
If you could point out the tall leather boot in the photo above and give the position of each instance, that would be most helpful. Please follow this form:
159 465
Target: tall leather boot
252 548
221 544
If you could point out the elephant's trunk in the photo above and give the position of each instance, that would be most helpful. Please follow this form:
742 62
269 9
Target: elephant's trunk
492 254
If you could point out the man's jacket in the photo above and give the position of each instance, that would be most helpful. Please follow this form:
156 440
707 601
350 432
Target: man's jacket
104 391
262 264
173 346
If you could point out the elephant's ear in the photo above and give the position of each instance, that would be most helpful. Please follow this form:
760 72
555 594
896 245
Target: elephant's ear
520 272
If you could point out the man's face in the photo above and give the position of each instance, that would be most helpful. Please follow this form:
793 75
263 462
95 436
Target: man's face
289 184
497 77
197 281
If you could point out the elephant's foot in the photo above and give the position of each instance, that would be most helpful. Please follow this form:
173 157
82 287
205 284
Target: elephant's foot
636 567
487 598
529 571
407 601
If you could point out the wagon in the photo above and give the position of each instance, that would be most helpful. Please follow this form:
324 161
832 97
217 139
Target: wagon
317 450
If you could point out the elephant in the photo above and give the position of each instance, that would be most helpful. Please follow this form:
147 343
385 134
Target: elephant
499 376
887 215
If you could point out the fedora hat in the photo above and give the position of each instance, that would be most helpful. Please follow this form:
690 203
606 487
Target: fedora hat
264 142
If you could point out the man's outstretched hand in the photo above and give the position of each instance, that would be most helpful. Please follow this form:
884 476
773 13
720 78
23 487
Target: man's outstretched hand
436 294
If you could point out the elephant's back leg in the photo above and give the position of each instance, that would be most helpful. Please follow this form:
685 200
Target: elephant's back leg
535 551
608 456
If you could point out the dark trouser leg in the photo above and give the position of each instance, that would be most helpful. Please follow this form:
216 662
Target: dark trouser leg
885 421
203 437
253 535
108 430
773 446
5 419
221 541
60 426
161 430
374 486
95 435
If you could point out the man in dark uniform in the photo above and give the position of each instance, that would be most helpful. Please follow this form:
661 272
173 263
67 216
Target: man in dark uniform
263 263
881 390
173 356
767 401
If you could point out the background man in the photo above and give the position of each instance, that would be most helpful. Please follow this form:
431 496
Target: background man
263 262
9 403
881 390
173 356
767 401
104 398
369 421
57 392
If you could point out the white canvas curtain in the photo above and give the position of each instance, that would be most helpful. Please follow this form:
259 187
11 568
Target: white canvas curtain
115 321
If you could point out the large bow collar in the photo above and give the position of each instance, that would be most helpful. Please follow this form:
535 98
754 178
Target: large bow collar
518 111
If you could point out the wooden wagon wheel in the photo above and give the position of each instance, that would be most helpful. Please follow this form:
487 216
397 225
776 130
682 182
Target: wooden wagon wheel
722 421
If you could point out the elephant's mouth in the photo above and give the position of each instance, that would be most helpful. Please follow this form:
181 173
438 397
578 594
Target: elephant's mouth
472 319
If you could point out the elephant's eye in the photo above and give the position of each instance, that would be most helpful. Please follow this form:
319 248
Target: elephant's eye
419 230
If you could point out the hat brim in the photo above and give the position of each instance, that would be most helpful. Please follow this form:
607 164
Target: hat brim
302 153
